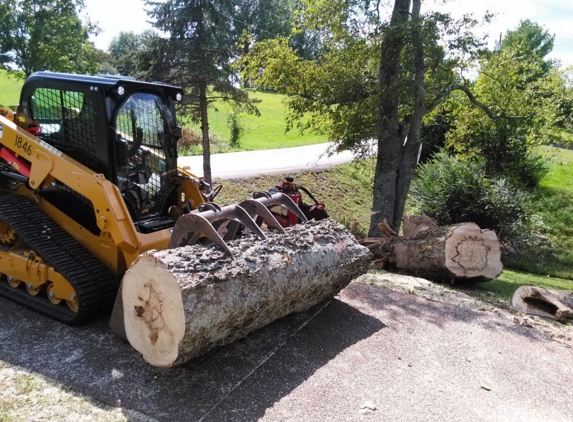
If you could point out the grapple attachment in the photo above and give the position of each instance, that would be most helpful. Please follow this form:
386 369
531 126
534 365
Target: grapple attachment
185 300
208 220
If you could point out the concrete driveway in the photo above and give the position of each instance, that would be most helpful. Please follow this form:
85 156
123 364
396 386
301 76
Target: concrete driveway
252 163
371 354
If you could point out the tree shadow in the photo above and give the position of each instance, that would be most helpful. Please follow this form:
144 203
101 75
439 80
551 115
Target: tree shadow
245 379
389 305
265 366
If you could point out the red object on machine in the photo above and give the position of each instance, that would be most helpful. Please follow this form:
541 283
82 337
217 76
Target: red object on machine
35 130
287 218
19 164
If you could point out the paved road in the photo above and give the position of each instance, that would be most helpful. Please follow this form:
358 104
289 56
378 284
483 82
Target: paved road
371 354
252 163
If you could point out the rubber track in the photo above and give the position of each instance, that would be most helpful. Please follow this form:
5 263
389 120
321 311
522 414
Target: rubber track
95 285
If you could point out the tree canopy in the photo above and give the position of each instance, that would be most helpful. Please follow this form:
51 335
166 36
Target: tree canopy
197 54
515 104
373 79
46 35
127 48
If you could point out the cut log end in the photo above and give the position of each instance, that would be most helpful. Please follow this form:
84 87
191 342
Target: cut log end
472 253
153 312
457 253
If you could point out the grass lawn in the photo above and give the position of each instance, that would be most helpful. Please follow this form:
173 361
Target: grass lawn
9 89
501 289
264 132
561 175
507 283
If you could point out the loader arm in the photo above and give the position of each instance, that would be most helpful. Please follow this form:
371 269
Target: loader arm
46 164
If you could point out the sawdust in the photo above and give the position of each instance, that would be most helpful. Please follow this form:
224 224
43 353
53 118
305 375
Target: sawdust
555 331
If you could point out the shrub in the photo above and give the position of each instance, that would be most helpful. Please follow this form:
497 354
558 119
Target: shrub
236 130
190 137
505 153
191 142
451 190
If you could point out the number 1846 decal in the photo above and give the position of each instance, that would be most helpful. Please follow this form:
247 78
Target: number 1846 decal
24 146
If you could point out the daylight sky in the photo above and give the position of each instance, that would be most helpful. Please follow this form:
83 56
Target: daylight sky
114 16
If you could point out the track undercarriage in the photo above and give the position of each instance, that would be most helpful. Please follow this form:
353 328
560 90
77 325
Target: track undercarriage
44 268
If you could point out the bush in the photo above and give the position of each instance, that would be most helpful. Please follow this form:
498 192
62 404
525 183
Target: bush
451 190
236 130
505 153
190 137
191 142
433 135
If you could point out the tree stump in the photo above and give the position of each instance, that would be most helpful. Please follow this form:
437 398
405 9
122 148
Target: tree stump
180 303
460 252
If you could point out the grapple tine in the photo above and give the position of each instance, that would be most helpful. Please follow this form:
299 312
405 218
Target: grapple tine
189 227
256 208
269 200
239 214
232 228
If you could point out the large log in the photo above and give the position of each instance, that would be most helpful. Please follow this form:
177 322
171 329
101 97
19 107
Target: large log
182 302
460 252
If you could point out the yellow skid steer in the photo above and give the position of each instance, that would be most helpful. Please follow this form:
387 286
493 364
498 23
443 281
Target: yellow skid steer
91 199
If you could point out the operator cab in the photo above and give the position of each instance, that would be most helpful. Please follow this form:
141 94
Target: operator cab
122 128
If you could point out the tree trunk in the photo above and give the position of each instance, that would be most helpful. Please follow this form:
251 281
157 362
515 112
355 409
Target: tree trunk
461 252
182 302
411 148
203 106
390 131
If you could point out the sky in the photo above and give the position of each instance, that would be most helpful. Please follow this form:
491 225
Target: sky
115 16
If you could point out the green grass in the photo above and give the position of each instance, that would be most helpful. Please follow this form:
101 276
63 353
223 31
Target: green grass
561 175
346 190
264 132
504 286
552 202
9 89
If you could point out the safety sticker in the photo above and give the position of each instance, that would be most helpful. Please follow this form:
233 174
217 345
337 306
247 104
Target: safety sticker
1 130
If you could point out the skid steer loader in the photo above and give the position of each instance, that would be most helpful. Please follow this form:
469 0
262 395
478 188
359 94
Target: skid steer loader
89 182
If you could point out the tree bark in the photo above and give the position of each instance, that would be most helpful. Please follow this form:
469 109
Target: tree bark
554 304
390 130
411 148
461 252
203 108
182 302
203 105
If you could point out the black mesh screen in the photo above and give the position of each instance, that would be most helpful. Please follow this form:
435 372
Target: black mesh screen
68 122
140 128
